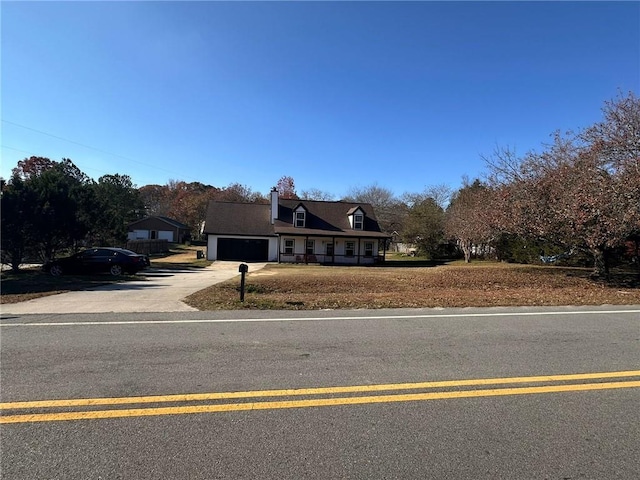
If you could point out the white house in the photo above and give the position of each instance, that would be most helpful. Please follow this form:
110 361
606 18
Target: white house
300 231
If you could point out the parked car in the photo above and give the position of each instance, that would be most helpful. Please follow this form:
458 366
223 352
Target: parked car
116 261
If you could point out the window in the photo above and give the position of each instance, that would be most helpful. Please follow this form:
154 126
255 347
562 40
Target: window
299 219
288 246
330 249
349 249
358 221
368 249
310 247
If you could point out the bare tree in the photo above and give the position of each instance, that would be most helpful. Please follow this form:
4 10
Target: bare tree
390 211
316 194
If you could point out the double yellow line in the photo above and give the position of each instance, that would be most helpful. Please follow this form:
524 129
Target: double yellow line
553 384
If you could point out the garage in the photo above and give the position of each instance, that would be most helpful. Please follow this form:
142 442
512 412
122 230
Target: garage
165 235
243 249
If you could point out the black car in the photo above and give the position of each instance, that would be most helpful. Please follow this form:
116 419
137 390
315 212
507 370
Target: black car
116 261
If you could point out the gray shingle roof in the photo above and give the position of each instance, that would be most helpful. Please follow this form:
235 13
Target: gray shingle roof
170 221
326 218
232 218
322 218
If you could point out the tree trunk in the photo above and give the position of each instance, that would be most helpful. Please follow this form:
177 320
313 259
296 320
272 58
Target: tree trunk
15 259
600 263
465 245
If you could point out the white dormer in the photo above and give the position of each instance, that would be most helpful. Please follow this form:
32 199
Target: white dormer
356 218
300 216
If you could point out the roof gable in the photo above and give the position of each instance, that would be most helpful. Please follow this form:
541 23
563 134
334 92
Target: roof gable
167 220
233 218
329 218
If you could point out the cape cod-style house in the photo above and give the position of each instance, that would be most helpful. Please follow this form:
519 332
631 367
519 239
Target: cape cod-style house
294 231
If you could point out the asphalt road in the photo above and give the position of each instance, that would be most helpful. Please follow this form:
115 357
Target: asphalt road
548 393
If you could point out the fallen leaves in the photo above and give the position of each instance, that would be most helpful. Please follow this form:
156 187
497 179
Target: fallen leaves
454 285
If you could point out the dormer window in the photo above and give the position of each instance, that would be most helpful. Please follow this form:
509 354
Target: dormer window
299 217
356 218
358 221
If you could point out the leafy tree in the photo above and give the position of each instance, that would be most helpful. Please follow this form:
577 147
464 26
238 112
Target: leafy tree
187 202
286 188
16 208
32 167
237 192
63 207
156 199
118 203
467 217
50 206
53 205
424 225
580 192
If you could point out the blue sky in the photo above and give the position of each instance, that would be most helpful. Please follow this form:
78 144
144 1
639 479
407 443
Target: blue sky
335 94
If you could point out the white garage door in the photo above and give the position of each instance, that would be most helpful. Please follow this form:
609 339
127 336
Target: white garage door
165 235
139 235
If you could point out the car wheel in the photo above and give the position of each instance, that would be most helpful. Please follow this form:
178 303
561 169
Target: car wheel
55 270
115 270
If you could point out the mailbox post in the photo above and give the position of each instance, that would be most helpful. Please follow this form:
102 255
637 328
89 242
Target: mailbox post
243 269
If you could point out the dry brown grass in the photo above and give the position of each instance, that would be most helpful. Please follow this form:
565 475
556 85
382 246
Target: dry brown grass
452 285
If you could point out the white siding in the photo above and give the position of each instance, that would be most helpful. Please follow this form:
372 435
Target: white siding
212 247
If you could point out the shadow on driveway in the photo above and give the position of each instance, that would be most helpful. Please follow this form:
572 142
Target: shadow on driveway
150 291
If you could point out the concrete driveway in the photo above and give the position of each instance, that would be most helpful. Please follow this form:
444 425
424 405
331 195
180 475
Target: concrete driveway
156 291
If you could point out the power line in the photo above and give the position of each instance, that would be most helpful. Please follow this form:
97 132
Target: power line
91 148
33 154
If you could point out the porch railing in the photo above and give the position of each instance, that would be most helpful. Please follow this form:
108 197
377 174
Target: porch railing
329 259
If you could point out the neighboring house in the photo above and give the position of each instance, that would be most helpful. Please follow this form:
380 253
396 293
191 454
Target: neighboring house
296 231
158 228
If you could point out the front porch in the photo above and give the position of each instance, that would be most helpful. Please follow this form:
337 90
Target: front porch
330 250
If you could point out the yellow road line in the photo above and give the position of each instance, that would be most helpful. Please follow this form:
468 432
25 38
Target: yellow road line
85 402
318 402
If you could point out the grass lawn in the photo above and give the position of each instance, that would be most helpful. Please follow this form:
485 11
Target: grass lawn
479 284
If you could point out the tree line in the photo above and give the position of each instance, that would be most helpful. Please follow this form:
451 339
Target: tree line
50 207
578 195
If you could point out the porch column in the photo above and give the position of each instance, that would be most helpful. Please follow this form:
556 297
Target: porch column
333 253
306 242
